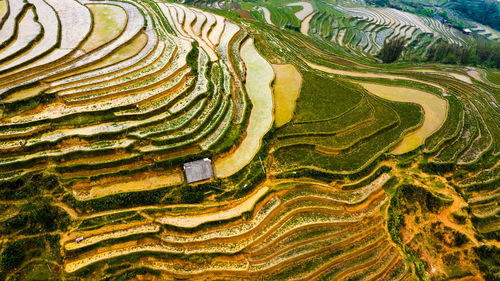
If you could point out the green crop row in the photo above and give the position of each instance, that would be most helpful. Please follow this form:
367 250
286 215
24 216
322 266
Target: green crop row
383 118
381 170
360 155
322 98
358 114
450 128
450 152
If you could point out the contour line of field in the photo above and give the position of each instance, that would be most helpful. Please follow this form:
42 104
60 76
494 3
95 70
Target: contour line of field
387 76
194 221
231 163
368 74
434 107
75 215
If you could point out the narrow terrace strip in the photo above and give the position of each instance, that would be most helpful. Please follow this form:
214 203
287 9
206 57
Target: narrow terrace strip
194 221
187 28
259 73
216 32
286 91
16 10
150 182
304 25
435 112
148 228
267 15
207 27
49 20
76 24
129 50
29 32
458 76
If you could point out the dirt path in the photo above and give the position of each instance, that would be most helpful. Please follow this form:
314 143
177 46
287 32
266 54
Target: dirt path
446 214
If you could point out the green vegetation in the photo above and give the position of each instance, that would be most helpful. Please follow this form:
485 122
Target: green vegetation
324 98
391 50
38 253
483 11
192 58
488 261
480 52
96 151
381 3
401 205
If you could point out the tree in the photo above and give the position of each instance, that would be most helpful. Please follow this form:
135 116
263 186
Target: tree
427 12
483 11
391 50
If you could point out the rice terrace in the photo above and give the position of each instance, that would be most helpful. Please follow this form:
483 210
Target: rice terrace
250 140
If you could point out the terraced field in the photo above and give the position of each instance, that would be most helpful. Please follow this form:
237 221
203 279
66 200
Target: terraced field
327 165
364 30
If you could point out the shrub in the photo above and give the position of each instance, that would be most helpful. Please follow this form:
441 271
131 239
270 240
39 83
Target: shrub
192 194
192 58
12 256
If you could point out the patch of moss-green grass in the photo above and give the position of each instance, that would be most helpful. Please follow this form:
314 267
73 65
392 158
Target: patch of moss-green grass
494 76
360 113
356 158
358 127
323 98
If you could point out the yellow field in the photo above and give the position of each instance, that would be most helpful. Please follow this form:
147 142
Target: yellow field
109 22
194 221
26 93
148 183
286 91
258 85
304 26
435 112
3 8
